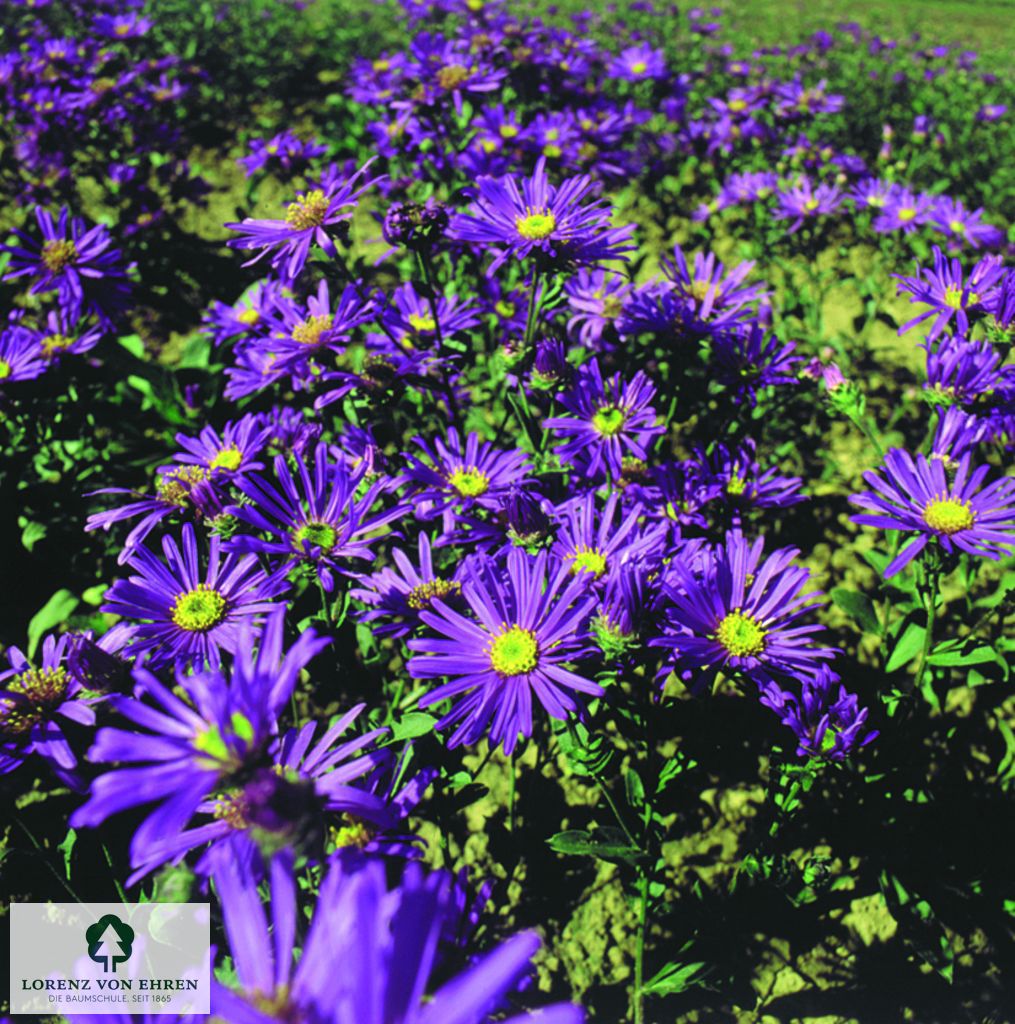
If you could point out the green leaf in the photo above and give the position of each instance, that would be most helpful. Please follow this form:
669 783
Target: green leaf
32 533
605 843
674 978
633 789
859 608
133 344
951 654
414 724
52 613
909 645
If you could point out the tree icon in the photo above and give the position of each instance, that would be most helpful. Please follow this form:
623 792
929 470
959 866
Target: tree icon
109 941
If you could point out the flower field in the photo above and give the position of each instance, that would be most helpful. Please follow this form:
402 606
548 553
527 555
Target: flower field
513 505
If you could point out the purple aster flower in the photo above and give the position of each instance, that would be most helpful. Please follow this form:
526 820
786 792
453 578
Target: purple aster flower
919 497
965 226
675 495
947 294
301 332
314 515
714 295
121 26
387 941
828 722
307 220
21 355
596 300
449 475
189 741
905 211
246 318
609 420
740 615
740 481
1001 305
872 193
960 371
178 489
957 433
188 615
637 63
796 99
746 360
591 541
411 324
234 451
533 215
75 260
32 702
62 337
531 616
396 595
284 154
991 112
804 201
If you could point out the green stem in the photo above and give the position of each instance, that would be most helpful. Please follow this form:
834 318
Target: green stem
325 609
511 793
533 313
929 600
639 952
45 859
116 881
616 812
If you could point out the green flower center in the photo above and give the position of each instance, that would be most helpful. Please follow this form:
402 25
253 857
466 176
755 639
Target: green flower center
43 689
199 610
536 224
211 742
957 227
317 535
355 833
736 485
588 560
421 322
469 482
742 635
309 331
906 214
228 458
810 205
515 652
953 298
948 515
609 420
639 67
422 595
5 369
308 211
59 253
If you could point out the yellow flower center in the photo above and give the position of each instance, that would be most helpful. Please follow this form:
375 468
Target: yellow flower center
198 610
43 689
469 482
60 253
609 420
741 634
737 105
700 289
5 369
536 224
54 343
355 833
308 211
423 594
309 331
421 322
639 67
957 227
174 487
248 316
906 214
515 652
810 205
588 560
953 298
228 458
508 131
736 485
948 515
452 76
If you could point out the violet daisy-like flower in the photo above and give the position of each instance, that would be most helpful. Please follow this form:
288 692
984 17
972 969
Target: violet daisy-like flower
33 699
919 497
410 322
307 222
181 613
960 371
741 482
77 261
396 595
315 514
947 293
21 355
828 722
951 216
904 211
60 336
608 420
805 202
235 450
591 541
519 218
451 474
530 617
746 359
596 300
387 941
741 614
284 154
637 63
715 295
